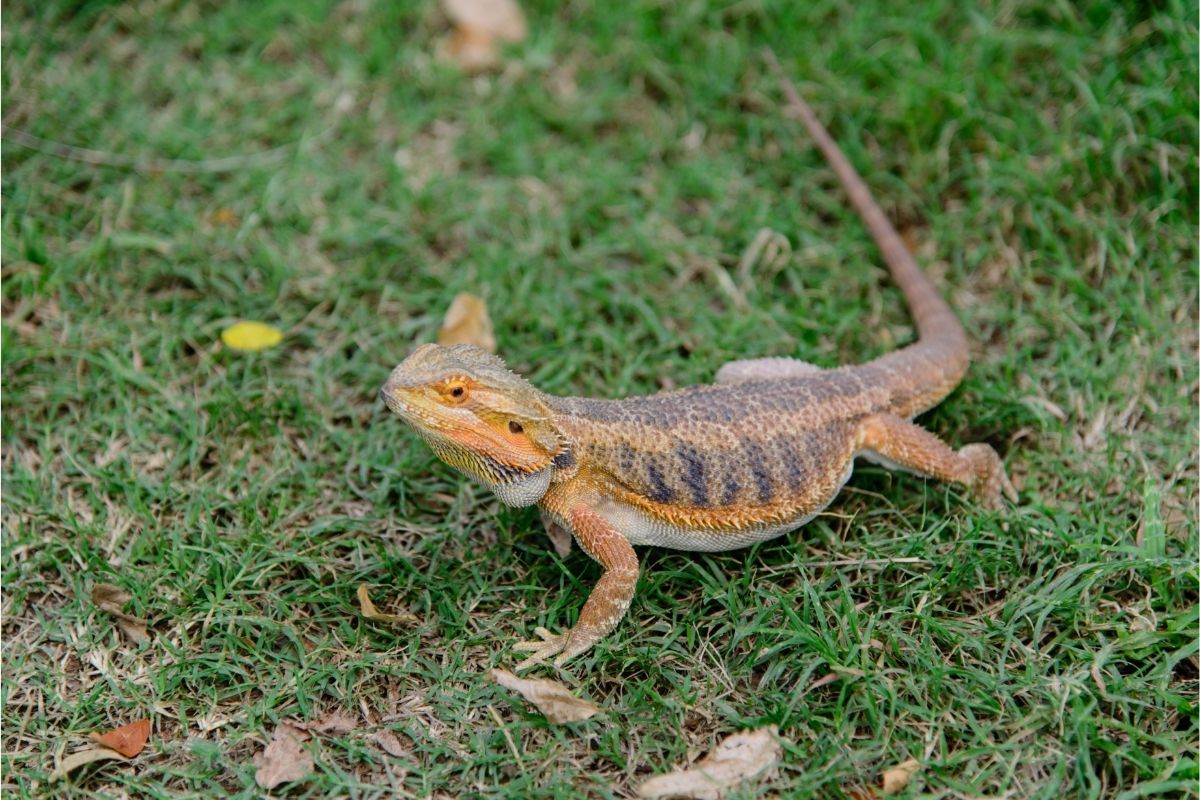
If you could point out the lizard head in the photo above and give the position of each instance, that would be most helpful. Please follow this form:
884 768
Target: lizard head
479 418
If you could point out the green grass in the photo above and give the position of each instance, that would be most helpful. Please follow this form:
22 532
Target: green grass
1040 155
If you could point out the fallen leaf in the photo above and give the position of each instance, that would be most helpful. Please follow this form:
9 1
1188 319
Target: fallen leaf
389 742
110 599
737 758
335 722
370 612
551 697
251 336
225 216
467 322
501 19
896 778
79 759
128 740
480 28
561 538
472 50
284 759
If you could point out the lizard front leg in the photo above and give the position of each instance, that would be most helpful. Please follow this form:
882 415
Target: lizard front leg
610 597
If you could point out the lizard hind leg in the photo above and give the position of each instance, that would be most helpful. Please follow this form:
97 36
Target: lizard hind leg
900 444
763 369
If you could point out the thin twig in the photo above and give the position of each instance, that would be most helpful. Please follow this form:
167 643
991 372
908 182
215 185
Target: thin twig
863 562
152 164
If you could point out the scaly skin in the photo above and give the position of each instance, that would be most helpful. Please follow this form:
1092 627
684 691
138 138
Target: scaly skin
707 468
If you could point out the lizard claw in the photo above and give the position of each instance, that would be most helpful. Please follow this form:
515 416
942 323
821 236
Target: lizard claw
563 645
551 645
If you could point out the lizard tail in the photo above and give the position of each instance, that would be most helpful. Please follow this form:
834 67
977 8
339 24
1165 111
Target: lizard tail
942 343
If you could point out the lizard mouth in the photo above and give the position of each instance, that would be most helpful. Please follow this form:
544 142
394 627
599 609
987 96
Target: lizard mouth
438 432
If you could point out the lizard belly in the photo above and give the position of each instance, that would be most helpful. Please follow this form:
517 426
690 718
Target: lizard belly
641 528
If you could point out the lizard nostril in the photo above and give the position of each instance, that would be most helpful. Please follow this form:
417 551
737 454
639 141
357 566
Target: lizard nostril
383 395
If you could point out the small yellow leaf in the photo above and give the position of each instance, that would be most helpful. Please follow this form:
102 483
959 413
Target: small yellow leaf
251 336
371 612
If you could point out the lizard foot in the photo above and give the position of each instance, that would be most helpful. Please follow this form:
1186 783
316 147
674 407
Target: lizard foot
991 481
564 645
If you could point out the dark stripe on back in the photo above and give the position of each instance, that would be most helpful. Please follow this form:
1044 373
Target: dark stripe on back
789 449
660 492
756 461
731 489
693 473
625 459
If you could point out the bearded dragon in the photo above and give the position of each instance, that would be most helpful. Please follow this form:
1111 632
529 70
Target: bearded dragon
758 453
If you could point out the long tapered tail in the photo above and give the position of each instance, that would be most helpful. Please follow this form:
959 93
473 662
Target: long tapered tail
942 340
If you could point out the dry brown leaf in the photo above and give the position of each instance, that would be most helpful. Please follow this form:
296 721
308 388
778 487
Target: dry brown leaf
389 742
472 50
79 759
110 599
335 722
284 759
480 28
128 740
370 612
467 322
737 758
500 19
225 216
896 778
551 697
561 538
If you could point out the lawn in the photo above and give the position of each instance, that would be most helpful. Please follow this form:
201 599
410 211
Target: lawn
600 191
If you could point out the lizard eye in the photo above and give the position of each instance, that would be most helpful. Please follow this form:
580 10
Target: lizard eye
457 391
514 426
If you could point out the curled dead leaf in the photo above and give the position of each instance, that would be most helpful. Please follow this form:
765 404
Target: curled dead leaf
111 600
128 740
472 50
284 759
389 743
480 28
467 322
561 539
369 610
500 19
225 216
79 759
550 697
334 722
896 778
737 758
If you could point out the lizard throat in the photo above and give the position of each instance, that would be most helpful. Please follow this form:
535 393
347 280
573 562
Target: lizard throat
512 485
